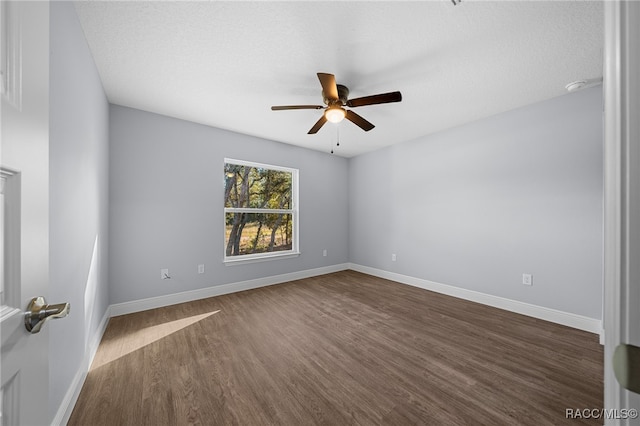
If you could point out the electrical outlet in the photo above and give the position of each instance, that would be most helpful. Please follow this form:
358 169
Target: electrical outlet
393 257
527 279
164 274
201 269
324 253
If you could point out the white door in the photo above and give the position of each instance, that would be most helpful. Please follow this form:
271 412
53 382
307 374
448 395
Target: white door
24 158
622 201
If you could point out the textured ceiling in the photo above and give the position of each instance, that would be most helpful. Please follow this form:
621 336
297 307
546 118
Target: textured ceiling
224 64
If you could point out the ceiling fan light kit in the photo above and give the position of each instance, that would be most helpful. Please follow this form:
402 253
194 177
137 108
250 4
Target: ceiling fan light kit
335 114
336 97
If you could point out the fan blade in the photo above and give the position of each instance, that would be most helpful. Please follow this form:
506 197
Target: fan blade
283 107
329 86
359 121
317 126
383 98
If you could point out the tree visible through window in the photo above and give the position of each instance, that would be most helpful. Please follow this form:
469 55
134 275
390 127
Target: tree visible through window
259 207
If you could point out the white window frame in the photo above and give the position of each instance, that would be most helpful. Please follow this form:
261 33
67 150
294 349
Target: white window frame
294 211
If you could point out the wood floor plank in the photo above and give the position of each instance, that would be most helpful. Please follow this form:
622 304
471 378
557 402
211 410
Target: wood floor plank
339 349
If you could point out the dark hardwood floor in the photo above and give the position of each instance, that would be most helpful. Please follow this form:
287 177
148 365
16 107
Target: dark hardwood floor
339 349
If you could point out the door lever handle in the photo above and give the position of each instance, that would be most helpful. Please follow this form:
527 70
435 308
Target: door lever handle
38 312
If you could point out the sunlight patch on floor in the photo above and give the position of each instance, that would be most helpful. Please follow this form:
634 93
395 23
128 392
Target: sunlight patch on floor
111 350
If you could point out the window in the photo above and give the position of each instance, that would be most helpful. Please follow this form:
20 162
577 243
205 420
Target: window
260 211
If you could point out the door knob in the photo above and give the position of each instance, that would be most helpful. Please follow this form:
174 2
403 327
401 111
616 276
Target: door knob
38 312
626 366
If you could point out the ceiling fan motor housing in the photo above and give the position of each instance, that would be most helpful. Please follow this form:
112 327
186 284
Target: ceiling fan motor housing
343 96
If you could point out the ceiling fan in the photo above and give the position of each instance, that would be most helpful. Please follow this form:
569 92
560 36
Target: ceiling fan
335 97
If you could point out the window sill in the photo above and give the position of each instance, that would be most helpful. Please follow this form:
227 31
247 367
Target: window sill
259 258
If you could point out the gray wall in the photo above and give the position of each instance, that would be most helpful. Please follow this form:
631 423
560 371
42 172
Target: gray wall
78 166
474 207
479 205
166 205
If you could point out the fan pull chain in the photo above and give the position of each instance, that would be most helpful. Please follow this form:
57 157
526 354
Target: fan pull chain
337 137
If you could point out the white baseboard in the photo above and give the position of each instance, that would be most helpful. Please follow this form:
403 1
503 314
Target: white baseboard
559 317
188 296
71 397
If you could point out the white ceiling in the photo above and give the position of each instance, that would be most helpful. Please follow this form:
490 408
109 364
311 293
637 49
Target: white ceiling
224 64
